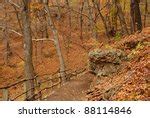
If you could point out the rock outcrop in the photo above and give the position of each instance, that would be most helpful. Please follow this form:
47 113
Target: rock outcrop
104 62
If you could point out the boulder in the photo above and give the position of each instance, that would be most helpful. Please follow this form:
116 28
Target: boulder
104 62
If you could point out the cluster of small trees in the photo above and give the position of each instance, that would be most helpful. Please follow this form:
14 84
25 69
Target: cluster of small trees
92 10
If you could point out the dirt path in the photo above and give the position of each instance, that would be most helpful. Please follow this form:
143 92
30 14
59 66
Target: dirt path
74 89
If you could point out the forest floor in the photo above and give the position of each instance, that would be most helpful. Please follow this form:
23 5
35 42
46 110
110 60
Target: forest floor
45 59
75 52
132 82
74 90
76 57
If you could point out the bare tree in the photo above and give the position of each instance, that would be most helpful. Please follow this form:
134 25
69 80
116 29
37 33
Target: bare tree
81 19
146 11
29 70
136 20
59 9
121 16
91 19
56 41
97 5
69 34
6 34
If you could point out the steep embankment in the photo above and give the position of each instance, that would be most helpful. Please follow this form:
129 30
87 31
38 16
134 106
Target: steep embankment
132 81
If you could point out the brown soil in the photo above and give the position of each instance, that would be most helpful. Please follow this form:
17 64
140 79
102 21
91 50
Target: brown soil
73 90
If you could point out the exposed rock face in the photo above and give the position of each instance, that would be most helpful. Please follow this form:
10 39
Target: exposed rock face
105 62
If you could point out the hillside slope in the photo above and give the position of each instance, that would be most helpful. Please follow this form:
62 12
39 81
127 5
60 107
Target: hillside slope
132 82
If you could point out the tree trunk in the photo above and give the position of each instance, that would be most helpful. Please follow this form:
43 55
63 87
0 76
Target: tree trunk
121 16
136 15
70 25
56 41
81 20
103 19
59 10
91 20
138 19
29 70
146 10
7 51
132 19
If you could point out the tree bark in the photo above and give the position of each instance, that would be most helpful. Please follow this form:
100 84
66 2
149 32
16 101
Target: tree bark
91 20
121 16
81 20
28 66
59 10
146 10
7 51
136 15
103 19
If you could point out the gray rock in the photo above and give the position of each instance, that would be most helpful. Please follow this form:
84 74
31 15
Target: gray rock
105 62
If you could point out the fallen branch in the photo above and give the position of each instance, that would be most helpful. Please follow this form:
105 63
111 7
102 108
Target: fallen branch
43 39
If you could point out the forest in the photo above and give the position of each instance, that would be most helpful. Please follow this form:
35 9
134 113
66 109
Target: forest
74 50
